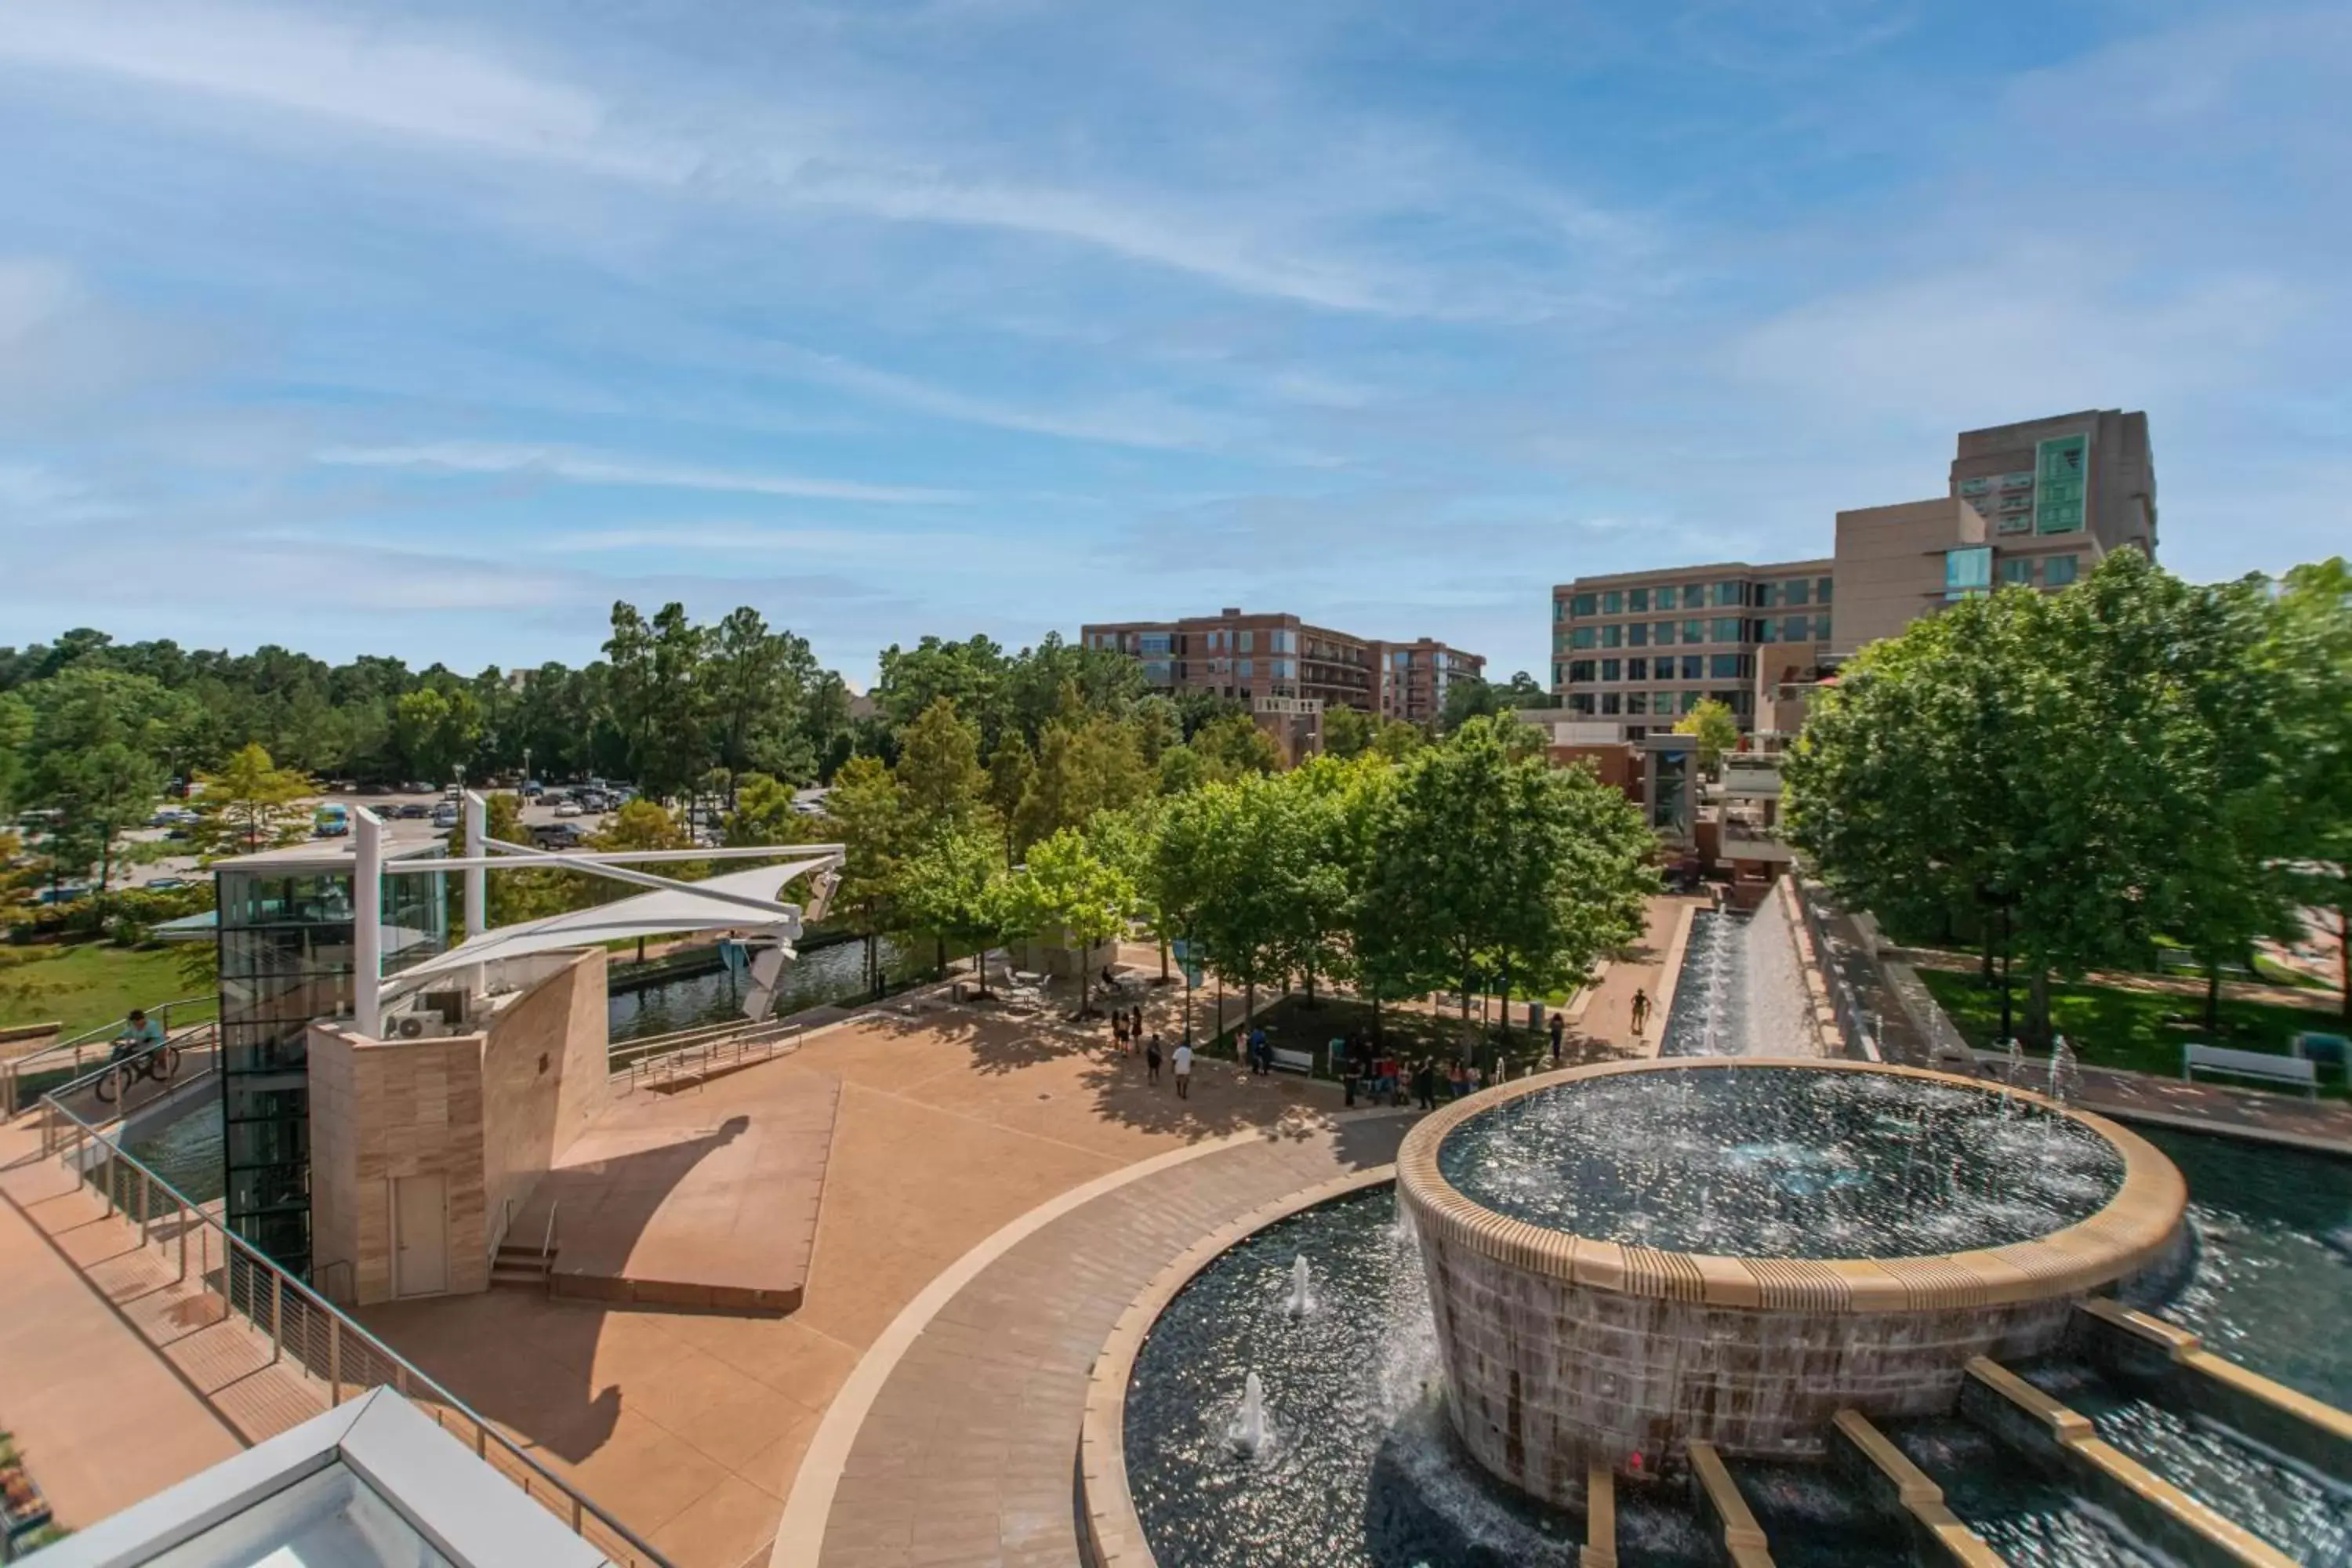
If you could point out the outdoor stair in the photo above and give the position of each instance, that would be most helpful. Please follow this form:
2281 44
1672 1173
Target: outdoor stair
521 1267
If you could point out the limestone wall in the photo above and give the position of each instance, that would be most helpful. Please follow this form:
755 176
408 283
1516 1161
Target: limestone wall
544 1079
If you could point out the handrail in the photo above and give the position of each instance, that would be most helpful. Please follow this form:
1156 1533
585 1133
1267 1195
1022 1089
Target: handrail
498 1236
275 1289
179 1042
161 1011
547 1242
13 1070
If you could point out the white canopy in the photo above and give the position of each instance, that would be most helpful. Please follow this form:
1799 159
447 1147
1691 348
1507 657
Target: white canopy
666 912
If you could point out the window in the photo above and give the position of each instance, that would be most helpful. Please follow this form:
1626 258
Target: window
1611 670
1665 633
1638 635
1694 631
1286 642
1581 637
1689 701
1152 642
1795 591
1764 629
2057 570
1797 629
1579 670
1731 594
1820 628
2017 481
1723 666
1246 667
1822 589
1582 604
1559 609
1284 668
1580 703
1157 671
1612 603
1613 636
2059 466
1216 642
1555 680
1693 663
1637 703
1726 629
2016 571
1637 599
1975 487
1637 669
1611 704
1667 597
1968 571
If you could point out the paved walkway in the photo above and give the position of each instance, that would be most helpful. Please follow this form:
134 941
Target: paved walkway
966 1455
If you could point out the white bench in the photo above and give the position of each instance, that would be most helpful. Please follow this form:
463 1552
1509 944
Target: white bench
2251 1063
1292 1061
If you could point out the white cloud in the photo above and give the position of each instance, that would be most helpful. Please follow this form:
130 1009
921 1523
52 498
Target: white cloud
592 469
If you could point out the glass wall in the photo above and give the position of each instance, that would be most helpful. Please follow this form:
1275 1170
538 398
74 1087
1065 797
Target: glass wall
286 958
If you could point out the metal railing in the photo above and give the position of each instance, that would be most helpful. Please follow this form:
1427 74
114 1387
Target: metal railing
1863 1035
198 1048
23 1079
303 1329
657 1057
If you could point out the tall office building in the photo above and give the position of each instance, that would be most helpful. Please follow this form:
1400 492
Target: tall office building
1271 661
2034 504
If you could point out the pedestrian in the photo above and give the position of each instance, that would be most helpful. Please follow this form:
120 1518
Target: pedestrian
1558 1028
1424 1084
1183 1069
1348 1076
1135 1022
1471 1078
1118 1028
1641 1011
1455 1079
1151 1058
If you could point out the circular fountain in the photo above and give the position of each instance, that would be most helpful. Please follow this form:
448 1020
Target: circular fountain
1625 1258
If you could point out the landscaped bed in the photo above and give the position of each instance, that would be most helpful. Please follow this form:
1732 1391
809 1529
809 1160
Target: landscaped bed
1297 1024
85 984
2132 1029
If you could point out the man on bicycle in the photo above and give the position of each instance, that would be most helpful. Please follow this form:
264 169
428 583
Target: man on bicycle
139 1033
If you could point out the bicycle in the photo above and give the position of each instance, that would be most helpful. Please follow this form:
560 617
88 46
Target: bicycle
161 1063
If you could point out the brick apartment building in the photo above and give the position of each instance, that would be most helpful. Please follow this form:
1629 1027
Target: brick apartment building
1279 663
2035 504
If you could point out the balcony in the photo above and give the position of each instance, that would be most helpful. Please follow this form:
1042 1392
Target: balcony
1747 777
1744 840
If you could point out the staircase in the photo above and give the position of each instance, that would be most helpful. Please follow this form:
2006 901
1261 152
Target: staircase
521 1267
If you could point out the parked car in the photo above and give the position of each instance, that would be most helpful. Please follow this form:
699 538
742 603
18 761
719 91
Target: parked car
61 895
532 789
166 884
333 820
567 809
413 811
555 836
445 817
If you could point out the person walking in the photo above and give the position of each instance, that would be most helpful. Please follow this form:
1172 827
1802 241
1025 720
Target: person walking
1349 1076
1183 1069
1424 1084
1559 1029
1641 1011
1118 1028
1257 1053
1135 1022
1151 1058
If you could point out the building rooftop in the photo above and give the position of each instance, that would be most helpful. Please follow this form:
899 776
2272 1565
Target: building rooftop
323 855
1708 569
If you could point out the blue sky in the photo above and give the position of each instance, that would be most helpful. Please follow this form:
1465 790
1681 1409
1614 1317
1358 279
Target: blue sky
432 328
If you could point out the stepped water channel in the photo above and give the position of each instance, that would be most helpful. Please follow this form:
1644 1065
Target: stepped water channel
1368 1463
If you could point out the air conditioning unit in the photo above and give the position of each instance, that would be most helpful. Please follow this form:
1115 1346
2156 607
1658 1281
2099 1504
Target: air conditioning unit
423 1026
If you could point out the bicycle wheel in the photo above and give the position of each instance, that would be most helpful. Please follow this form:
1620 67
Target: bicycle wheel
108 1085
164 1064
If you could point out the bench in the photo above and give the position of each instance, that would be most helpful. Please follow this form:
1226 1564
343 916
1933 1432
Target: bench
1290 1061
2251 1063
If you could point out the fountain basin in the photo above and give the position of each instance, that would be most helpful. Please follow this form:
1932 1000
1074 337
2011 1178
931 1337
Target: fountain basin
1577 1324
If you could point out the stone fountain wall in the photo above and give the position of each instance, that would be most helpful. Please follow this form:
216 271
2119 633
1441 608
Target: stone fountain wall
1561 1351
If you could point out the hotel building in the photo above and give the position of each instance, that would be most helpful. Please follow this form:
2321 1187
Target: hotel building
2035 504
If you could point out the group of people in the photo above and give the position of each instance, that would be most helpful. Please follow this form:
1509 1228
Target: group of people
1126 1029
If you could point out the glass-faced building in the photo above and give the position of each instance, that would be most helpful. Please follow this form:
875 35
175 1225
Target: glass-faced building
286 958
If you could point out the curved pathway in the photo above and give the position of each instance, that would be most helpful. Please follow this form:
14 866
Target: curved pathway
968 1452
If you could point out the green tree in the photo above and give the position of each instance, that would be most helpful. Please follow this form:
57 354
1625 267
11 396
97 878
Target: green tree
660 697
968 674
1064 892
1221 868
955 889
435 730
758 682
1086 762
1233 745
764 814
1718 731
1010 769
938 770
16 731
251 804
1348 732
2312 660
1395 739
865 813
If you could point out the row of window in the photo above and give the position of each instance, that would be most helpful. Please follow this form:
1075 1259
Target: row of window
1691 667
1722 629
1739 595
1652 704
1968 571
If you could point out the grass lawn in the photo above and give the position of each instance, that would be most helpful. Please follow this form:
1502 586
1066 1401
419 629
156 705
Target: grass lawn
85 984
2139 1031
1292 1024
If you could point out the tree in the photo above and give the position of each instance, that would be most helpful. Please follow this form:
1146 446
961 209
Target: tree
764 814
759 682
1716 729
644 825
955 888
1065 890
1233 745
1348 732
1086 762
1221 868
865 813
660 699
938 770
2313 661
16 730
967 674
436 730
1010 768
104 793
251 804
1395 739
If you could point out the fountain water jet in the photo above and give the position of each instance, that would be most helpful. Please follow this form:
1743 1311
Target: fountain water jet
1300 1301
1251 1432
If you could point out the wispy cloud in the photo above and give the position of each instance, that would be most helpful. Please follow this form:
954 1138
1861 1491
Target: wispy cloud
592 469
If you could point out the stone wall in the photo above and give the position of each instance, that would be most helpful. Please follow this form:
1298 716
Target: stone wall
488 1111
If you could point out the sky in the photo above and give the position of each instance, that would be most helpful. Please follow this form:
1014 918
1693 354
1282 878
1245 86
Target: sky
433 328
